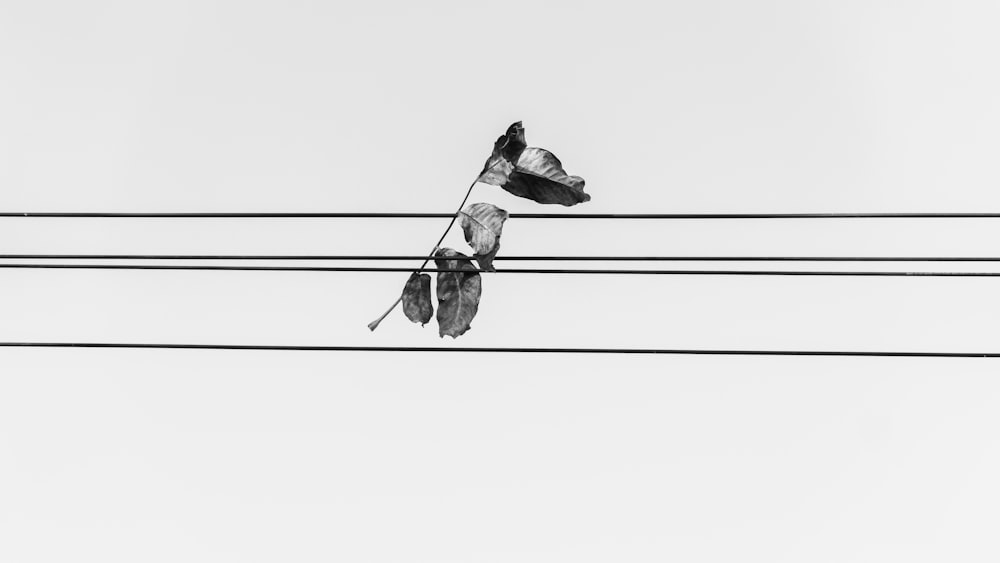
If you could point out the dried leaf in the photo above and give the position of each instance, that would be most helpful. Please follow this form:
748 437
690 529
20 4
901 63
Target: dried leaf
530 172
457 292
505 152
539 176
417 298
482 224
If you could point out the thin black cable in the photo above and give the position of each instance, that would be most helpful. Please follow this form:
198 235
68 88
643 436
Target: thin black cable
363 215
502 271
664 351
305 257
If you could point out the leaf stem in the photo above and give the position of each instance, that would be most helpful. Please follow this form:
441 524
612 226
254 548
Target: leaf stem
374 324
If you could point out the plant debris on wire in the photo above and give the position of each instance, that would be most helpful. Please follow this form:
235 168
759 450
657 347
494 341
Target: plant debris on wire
524 171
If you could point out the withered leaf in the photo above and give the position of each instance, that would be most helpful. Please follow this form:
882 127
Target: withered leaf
482 224
539 176
457 292
505 153
417 298
530 172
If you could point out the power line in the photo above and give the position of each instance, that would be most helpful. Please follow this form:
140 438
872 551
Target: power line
503 271
315 257
363 215
637 351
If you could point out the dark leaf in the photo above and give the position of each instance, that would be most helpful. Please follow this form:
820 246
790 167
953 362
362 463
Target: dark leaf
482 224
505 153
530 172
539 176
457 292
417 298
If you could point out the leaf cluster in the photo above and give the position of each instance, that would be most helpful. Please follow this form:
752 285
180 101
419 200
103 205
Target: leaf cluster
524 171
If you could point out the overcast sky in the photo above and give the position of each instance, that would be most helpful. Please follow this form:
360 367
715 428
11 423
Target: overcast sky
666 107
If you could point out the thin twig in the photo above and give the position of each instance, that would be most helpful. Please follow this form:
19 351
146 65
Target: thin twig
374 324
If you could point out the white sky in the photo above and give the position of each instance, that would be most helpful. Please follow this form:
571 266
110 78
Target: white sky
719 106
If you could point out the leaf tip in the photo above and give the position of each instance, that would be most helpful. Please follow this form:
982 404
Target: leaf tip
454 335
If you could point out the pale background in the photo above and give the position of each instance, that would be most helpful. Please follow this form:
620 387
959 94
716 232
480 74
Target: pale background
722 106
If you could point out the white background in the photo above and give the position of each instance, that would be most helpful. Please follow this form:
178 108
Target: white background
667 107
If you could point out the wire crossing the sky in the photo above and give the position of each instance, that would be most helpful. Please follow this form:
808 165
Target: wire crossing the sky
375 258
502 271
501 350
363 215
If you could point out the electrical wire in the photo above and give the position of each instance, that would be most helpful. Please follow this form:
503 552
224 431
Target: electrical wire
503 271
363 215
372 258
637 351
